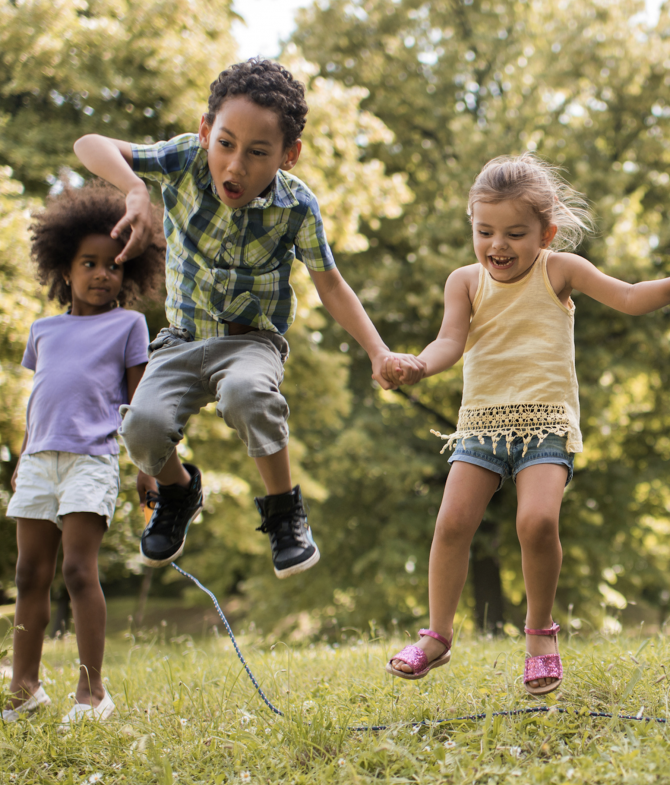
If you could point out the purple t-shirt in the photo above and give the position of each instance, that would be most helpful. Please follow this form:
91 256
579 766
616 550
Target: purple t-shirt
80 379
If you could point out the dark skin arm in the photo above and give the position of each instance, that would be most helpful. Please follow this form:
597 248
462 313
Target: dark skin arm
144 481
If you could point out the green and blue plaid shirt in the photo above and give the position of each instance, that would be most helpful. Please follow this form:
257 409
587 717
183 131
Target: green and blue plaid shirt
224 264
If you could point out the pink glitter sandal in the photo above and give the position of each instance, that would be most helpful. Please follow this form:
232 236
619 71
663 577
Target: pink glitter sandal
544 666
417 660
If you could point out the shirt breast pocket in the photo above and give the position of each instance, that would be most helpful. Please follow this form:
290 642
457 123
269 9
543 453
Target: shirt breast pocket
266 245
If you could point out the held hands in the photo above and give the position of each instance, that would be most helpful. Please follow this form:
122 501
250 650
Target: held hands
391 369
145 483
139 217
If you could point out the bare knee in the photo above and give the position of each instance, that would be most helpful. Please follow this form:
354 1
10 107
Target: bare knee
537 531
33 576
79 578
453 527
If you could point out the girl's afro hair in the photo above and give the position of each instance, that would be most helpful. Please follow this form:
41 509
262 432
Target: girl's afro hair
96 208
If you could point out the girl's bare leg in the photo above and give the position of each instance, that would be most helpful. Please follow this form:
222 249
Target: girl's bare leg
38 542
82 537
540 493
467 493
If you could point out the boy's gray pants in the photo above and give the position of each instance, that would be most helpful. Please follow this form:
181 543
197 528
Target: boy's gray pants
242 373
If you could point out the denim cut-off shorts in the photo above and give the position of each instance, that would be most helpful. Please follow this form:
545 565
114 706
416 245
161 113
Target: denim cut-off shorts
551 450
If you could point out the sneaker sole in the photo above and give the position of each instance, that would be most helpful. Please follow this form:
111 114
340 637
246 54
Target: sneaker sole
296 568
162 562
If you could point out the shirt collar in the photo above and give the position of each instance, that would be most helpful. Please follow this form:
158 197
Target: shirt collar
201 173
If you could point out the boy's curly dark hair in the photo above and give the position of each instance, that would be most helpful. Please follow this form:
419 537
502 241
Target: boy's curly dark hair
57 232
267 84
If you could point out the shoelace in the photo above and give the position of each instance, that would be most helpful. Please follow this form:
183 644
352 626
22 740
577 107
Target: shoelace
283 533
168 513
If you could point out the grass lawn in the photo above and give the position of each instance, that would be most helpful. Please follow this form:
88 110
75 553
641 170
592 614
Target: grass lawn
187 713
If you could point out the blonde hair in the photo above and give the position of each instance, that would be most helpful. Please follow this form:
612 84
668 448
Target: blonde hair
540 186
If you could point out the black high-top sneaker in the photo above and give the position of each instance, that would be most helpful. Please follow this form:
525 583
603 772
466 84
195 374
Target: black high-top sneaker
285 520
173 508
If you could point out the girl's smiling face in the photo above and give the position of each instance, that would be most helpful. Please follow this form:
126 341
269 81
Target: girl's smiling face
507 237
95 279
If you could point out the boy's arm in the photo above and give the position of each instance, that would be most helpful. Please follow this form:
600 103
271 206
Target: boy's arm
342 304
112 159
569 271
448 347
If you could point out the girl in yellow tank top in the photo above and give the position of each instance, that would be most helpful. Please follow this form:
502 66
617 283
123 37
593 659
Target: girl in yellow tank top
511 316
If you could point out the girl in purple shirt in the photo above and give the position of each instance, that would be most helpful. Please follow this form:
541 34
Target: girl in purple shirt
87 362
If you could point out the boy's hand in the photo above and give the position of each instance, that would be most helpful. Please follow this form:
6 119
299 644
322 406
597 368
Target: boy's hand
404 369
139 217
145 482
391 369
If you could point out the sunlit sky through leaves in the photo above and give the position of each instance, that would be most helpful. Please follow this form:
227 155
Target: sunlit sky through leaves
268 22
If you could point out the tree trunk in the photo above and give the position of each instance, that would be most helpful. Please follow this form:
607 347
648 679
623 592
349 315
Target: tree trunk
485 572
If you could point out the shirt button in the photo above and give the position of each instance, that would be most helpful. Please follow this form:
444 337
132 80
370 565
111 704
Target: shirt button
229 245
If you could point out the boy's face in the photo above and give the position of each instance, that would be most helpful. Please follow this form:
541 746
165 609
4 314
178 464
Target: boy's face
245 148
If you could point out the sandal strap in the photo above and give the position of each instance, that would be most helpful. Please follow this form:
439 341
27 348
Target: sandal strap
544 666
413 656
551 631
444 641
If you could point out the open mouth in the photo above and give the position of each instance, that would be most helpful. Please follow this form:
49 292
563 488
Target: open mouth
501 262
233 190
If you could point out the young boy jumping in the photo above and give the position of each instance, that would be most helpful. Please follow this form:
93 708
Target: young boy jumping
233 217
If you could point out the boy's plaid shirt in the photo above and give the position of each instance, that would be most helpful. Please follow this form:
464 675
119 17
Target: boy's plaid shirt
224 264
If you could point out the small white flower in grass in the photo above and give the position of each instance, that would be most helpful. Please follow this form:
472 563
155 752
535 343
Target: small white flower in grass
95 778
449 744
415 730
570 773
183 721
245 776
268 731
515 752
426 748
244 721
341 762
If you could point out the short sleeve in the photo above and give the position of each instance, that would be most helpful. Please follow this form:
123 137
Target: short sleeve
138 343
29 360
311 246
165 161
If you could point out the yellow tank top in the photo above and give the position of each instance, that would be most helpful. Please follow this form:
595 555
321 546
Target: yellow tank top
519 375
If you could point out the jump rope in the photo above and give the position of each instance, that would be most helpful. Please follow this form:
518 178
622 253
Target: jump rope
377 728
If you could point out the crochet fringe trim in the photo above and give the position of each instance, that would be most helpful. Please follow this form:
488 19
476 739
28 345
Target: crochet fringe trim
509 422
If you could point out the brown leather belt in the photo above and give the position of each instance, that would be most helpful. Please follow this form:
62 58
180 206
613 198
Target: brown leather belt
234 328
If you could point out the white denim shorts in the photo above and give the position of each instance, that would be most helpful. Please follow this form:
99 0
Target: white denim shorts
51 484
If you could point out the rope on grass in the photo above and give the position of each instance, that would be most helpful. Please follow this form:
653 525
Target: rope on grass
232 638
377 728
